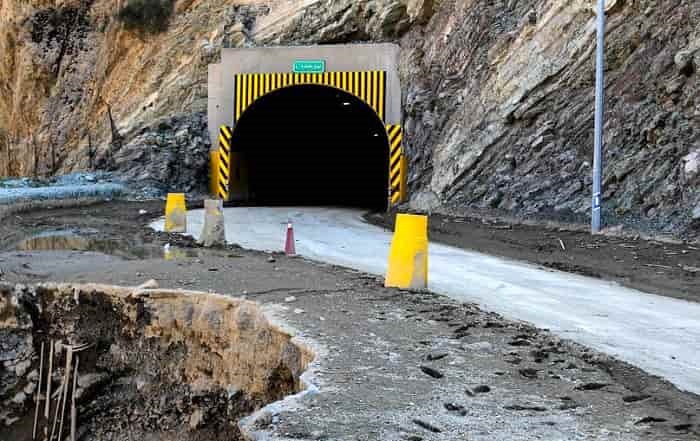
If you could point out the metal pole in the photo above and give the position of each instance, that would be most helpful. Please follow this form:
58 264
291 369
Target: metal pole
599 123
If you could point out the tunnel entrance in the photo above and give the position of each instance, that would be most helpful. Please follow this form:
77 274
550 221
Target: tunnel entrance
310 145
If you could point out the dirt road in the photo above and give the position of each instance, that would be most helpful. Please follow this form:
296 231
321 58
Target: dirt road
391 365
655 333
659 267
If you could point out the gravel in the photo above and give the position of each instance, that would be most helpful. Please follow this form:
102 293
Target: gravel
72 186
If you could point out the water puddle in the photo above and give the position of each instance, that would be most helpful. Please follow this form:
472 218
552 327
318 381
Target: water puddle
80 241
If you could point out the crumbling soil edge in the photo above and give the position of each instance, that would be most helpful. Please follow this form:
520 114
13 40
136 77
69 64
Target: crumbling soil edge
150 290
634 379
308 378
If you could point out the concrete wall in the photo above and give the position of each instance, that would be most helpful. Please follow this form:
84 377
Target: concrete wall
339 58
214 100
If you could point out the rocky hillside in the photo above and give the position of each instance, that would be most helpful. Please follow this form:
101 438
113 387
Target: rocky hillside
499 108
498 95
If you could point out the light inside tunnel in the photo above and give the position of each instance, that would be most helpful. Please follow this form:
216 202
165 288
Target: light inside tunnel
310 145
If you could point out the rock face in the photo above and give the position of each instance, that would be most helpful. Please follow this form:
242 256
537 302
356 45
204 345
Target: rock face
172 154
499 108
498 96
73 80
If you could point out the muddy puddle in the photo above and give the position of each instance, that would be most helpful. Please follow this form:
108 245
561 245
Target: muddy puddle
89 241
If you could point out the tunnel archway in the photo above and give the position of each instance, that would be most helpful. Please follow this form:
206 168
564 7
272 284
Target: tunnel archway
311 145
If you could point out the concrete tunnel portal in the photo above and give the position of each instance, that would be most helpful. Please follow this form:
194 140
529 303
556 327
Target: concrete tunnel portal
316 125
311 145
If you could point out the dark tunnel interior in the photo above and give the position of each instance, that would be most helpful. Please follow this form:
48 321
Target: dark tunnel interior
313 145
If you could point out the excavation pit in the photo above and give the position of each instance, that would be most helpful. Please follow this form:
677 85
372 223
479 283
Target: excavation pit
159 365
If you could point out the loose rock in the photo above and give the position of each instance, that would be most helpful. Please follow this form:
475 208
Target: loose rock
482 389
591 386
452 407
437 356
518 407
528 372
635 398
650 419
431 372
427 426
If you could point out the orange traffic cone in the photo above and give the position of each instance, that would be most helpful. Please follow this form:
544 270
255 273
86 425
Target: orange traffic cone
289 248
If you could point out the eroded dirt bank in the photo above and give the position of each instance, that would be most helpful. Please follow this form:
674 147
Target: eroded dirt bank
160 364
392 365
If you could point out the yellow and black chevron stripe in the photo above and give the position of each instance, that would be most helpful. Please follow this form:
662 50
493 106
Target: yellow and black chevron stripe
396 171
225 135
369 86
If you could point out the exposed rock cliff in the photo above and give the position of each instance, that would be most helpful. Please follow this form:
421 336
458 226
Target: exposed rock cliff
498 95
499 108
72 77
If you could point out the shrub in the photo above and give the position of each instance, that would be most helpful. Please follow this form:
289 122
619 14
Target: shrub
149 16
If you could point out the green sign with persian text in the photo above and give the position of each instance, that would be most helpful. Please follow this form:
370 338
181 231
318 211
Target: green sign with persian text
309 66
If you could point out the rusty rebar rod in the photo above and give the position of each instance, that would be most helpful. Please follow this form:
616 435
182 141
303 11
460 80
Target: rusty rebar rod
38 391
47 411
73 409
66 382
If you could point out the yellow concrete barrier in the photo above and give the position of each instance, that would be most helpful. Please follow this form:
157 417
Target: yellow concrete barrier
408 257
175 213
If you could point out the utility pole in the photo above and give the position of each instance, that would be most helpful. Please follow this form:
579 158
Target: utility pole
599 122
